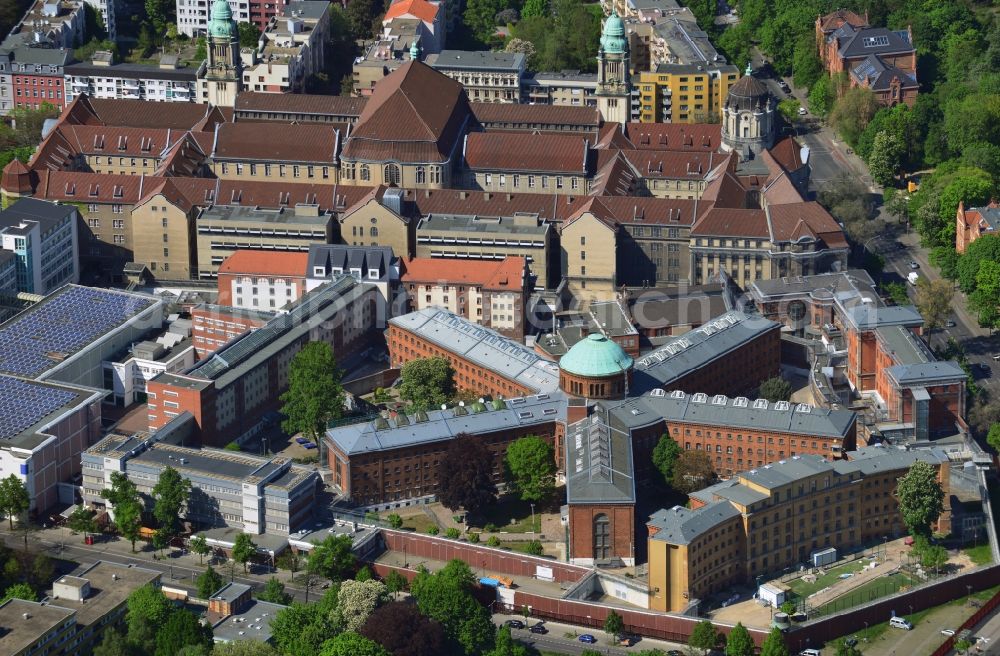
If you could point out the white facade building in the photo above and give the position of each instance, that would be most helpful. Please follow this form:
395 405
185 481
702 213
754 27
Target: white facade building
193 15
43 238
162 83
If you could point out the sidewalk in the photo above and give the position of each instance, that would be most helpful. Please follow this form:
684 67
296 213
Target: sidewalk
923 639
557 637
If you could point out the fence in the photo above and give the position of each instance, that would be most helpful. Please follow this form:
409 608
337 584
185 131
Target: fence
976 618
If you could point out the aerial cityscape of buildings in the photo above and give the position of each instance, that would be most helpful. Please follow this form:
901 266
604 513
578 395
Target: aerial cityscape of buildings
612 264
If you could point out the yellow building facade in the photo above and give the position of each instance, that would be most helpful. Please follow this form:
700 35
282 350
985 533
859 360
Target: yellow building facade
675 93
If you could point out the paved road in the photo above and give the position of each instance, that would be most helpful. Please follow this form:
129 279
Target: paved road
990 630
556 639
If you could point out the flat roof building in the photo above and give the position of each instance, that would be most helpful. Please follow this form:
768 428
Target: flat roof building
43 238
492 77
25 626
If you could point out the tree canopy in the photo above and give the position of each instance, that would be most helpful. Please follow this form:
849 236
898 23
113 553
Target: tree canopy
333 558
530 468
14 498
423 636
692 471
665 456
315 395
739 642
170 495
244 549
350 643
427 383
774 644
445 596
466 475
921 499
209 582
775 389
704 636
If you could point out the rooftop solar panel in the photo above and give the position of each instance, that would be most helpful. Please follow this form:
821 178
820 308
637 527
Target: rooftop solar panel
62 324
23 404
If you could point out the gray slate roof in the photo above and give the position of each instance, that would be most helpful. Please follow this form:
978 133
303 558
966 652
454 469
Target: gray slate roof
132 72
860 42
738 413
442 425
598 464
695 349
482 346
926 373
478 60
906 347
345 258
879 75
679 525
869 317
31 209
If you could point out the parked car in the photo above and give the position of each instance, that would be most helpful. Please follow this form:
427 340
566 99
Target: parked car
628 639
949 324
914 265
851 642
900 623
674 652
948 632
589 639
515 624
538 628
309 445
802 111
301 440
784 86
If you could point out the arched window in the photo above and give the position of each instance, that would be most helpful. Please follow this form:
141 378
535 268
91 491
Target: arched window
421 175
366 173
392 175
602 537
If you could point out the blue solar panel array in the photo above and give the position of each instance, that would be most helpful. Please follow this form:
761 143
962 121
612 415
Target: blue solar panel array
61 325
23 404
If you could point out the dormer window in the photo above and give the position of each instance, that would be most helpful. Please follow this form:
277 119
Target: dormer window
319 271
337 271
373 273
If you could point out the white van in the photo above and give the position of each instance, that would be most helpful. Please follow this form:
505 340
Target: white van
900 623
809 652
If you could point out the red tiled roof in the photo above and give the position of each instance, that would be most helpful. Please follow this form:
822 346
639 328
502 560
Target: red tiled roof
731 222
507 274
266 263
277 142
16 177
673 165
797 220
300 103
674 136
834 20
532 116
550 207
596 207
517 151
612 135
614 176
787 153
414 115
85 187
425 11
647 210
85 110
780 191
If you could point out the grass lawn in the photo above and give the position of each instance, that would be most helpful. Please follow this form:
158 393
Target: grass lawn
803 589
980 554
520 546
883 586
417 523
501 514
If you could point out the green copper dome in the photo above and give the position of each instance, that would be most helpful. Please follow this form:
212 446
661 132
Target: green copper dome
613 36
222 24
595 357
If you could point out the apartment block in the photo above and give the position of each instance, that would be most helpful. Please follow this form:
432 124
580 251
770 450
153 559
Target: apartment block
489 77
684 93
214 326
488 293
768 519
224 230
193 15
484 361
291 48
253 279
101 78
560 88
43 238
32 64
253 494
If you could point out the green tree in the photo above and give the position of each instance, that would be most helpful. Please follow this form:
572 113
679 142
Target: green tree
395 521
843 649
128 519
274 592
19 591
665 456
775 389
170 494
82 521
946 259
199 545
232 446
395 583
423 636
364 574
244 648
147 610
971 186
121 490
427 383
963 646
301 629
921 499
614 624
984 249
897 292
692 471
480 17
114 643
14 498
934 302
789 109
208 582
333 558
505 645
43 570
985 300
534 548
466 475
314 395
806 65
739 642
244 549
774 644
852 112
445 596
533 8
885 158
249 35
357 600
181 630
350 643
993 437
933 557
530 468
704 636
821 96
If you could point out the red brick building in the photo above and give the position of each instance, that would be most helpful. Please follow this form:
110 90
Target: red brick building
492 294
484 361
214 326
975 222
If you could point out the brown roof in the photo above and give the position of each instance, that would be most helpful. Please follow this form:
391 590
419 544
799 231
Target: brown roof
415 114
675 136
85 187
614 176
518 151
596 207
612 135
266 263
647 210
836 19
300 103
550 207
665 164
787 153
16 178
85 110
507 274
529 116
277 142
731 222
117 141
166 188
795 221
780 191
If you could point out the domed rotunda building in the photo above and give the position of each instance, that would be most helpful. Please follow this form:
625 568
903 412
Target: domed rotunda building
595 368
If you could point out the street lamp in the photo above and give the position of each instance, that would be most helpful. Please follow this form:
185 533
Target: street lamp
532 517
